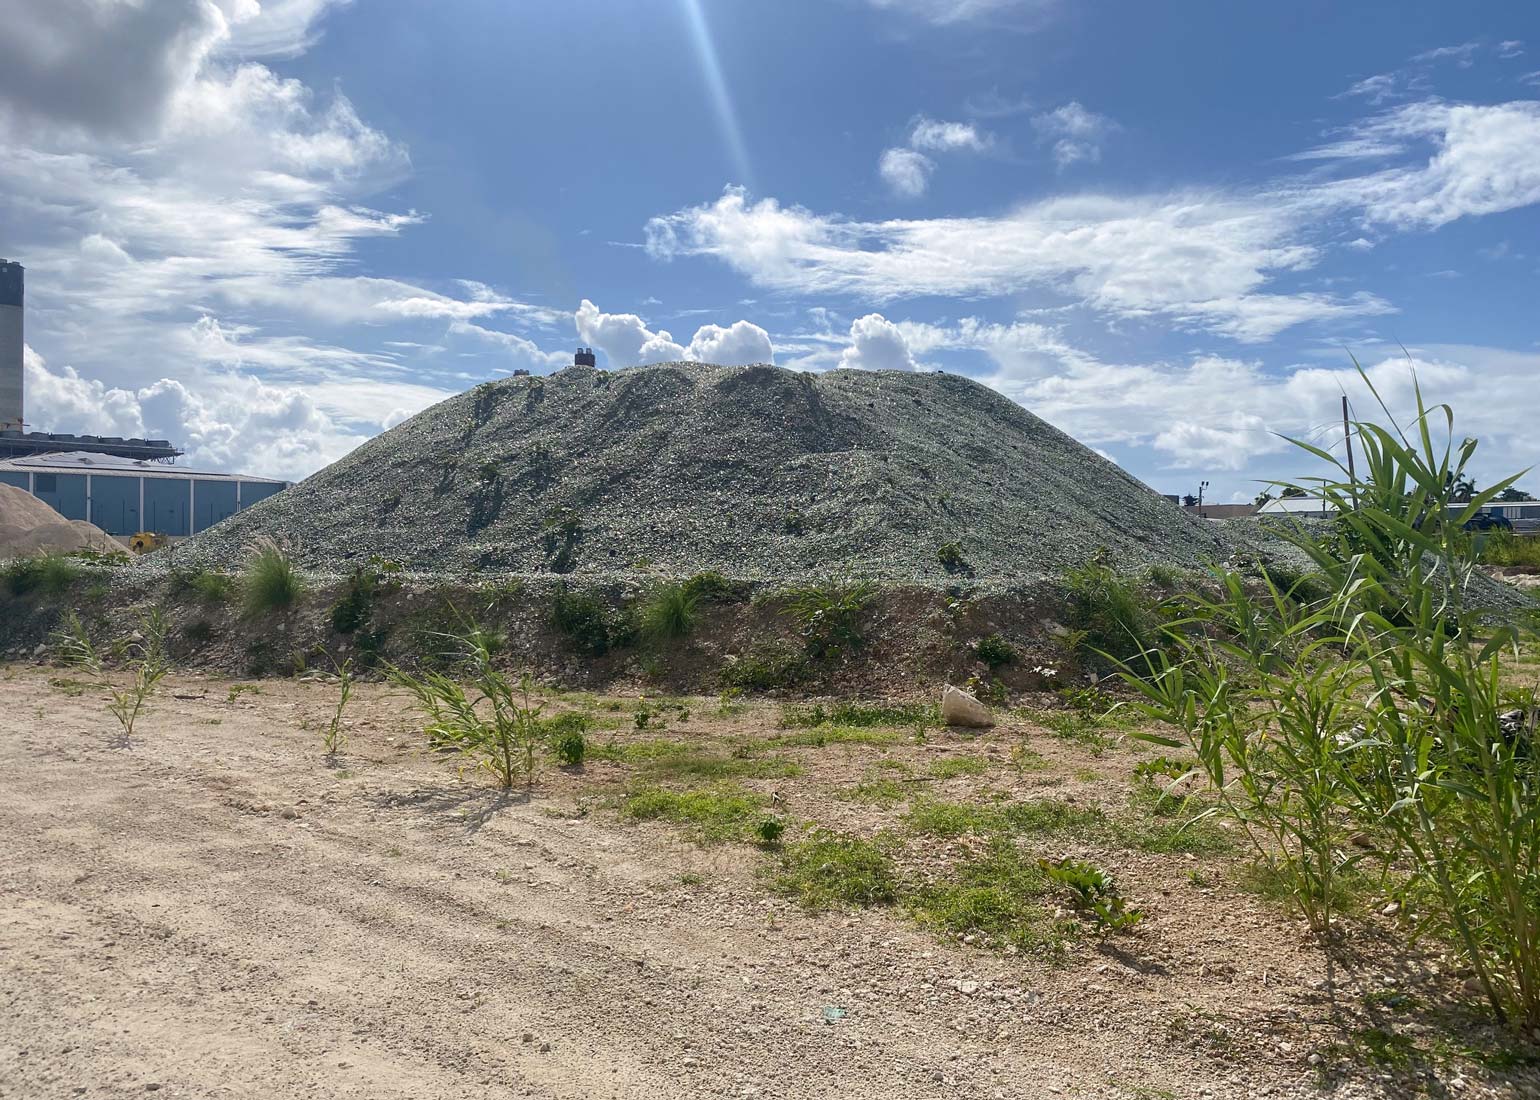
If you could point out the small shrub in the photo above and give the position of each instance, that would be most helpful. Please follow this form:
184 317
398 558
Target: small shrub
712 587
211 586
669 611
334 736
49 574
1094 894
1164 576
570 747
592 627
271 581
994 651
1108 611
765 668
497 725
828 870
950 555
828 614
769 831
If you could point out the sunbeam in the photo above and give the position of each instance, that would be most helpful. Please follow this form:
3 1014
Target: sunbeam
711 67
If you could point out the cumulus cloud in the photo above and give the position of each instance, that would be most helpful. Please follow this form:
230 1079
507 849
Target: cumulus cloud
236 424
906 172
740 343
1075 133
877 344
626 340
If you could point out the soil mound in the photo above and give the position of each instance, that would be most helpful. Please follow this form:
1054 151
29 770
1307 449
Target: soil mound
28 527
757 472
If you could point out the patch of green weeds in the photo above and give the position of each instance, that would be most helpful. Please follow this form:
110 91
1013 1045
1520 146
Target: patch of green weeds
795 716
49 574
818 738
765 668
827 870
1000 897
712 814
950 767
994 651
875 792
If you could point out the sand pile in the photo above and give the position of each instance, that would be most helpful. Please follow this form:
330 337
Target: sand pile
28 527
757 472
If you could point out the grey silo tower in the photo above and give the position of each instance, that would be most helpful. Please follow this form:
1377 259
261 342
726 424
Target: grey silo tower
11 287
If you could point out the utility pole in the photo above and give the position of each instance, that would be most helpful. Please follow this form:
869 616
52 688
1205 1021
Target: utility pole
1347 440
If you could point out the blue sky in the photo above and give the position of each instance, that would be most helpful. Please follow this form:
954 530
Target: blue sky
272 229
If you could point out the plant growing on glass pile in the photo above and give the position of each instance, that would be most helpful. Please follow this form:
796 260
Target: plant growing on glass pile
493 722
147 653
1424 752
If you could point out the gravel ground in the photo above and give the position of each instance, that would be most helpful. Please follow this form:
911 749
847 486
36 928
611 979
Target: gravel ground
758 472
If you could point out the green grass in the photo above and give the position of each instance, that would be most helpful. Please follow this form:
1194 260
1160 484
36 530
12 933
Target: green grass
663 759
712 815
697 764
821 737
668 612
49 574
875 792
271 581
1002 896
765 667
949 767
827 870
859 714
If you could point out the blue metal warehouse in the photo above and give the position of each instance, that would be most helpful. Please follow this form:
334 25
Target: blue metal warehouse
124 496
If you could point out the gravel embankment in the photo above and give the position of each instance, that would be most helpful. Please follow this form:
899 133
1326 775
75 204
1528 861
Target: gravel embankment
759 472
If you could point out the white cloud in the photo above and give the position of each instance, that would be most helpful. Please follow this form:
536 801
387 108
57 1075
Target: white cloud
1076 133
626 340
1204 260
740 343
275 28
1020 14
906 172
877 344
1486 159
1201 259
1463 55
935 136
235 423
1510 48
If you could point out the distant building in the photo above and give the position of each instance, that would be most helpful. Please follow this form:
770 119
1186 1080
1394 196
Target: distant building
124 496
584 358
12 374
1220 511
1308 507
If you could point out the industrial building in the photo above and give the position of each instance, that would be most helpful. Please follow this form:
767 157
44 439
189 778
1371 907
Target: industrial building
124 496
11 342
15 440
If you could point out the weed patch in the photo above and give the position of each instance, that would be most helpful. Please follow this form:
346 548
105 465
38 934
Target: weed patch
827 870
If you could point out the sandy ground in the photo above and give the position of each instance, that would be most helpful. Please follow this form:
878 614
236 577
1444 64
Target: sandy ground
213 912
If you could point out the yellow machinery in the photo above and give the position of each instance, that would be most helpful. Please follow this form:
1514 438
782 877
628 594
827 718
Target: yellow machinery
145 541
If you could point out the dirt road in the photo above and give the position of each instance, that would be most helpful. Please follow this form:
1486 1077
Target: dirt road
214 913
